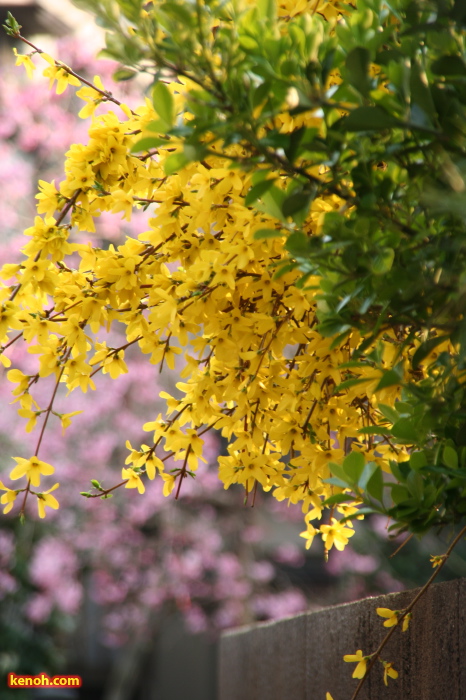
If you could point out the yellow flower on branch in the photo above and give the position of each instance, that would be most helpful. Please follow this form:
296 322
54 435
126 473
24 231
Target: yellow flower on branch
309 534
388 671
406 621
60 73
361 660
134 480
436 559
48 198
23 60
170 480
391 615
31 416
114 364
31 468
91 97
45 500
8 498
17 377
66 419
336 534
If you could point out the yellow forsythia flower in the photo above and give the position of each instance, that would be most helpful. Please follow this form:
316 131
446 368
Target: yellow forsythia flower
59 73
22 60
31 468
392 616
336 534
46 500
134 480
8 498
388 670
361 660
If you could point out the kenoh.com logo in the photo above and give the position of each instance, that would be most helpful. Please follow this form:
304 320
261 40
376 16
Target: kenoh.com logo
42 680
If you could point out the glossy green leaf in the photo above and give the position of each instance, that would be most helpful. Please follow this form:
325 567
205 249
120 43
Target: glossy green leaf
375 485
417 460
147 143
357 66
297 244
405 430
175 162
426 348
449 65
383 261
163 103
389 413
267 233
353 465
399 493
257 191
450 457
389 378
295 202
369 119
124 74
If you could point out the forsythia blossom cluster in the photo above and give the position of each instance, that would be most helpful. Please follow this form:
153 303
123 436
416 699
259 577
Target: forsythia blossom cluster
195 285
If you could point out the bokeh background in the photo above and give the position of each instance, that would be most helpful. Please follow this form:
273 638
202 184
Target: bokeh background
131 593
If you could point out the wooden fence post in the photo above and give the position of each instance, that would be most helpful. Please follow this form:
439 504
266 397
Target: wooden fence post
301 658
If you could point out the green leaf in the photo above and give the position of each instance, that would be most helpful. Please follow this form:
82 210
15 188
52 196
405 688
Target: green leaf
426 348
388 412
179 13
389 378
420 92
357 66
175 162
257 191
295 202
284 269
449 65
383 261
147 143
375 430
398 472
375 485
353 465
415 484
366 510
404 429
348 383
369 119
399 493
272 201
369 469
267 233
123 74
450 457
164 104
417 460
404 408
131 9
11 26
331 326
297 244
338 498
334 481
157 126
266 8
337 470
